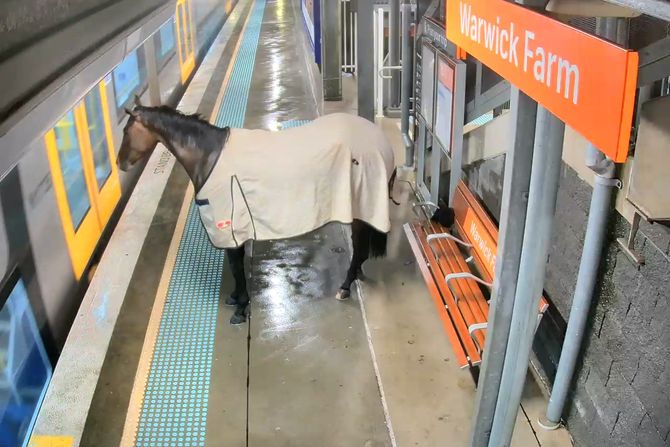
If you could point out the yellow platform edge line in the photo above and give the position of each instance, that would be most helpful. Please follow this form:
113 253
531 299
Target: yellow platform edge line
50 441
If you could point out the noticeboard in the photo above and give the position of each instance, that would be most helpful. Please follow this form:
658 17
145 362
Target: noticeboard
427 84
444 98
449 103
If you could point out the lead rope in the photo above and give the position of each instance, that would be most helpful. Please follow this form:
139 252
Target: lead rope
391 184
232 209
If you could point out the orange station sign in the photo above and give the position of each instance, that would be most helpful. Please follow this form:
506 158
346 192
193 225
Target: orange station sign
587 82
486 247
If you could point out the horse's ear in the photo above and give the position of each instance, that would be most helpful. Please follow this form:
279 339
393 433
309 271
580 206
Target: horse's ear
137 101
129 112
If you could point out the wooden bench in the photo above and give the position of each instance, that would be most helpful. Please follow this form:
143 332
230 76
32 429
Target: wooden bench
458 268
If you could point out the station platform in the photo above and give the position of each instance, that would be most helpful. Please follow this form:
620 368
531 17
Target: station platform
152 359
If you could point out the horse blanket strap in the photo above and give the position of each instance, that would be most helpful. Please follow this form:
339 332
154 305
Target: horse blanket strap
290 182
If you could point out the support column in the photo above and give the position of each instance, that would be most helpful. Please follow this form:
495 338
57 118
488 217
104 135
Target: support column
544 181
365 54
331 50
152 71
516 183
407 82
394 54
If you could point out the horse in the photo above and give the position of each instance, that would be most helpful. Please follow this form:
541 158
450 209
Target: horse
263 185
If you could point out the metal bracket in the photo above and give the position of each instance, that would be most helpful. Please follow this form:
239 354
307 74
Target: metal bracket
477 327
628 245
612 182
463 275
432 237
388 67
422 205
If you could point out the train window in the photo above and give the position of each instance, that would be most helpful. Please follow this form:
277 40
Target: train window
129 79
126 78
25 367
72 168
165 41
98 137
185 38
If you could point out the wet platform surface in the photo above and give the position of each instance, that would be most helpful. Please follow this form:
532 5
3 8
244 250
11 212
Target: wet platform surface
306 370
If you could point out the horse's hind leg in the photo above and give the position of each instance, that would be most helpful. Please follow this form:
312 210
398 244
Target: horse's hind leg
239 297
360 238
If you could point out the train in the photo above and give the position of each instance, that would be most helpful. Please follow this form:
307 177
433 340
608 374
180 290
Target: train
61 192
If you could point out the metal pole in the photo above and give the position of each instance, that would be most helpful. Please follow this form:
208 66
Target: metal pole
586 282
354 46
345 32
544 180
596 227
512 221
379 61
394 55
352 42
331 55
365 51
407 80
152 71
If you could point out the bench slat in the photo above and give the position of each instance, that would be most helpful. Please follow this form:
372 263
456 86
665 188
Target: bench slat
462 266
460 324
448 325
470 298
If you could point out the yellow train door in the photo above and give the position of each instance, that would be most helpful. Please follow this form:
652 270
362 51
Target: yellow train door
84 173
185 38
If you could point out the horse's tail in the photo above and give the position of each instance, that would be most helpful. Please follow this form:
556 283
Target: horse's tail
377 243
391 183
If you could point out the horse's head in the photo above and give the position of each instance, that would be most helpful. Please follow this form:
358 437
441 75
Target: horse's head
138 140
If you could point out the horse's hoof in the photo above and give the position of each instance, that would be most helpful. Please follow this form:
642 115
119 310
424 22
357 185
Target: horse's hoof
240 315
343 294
230 301
238 318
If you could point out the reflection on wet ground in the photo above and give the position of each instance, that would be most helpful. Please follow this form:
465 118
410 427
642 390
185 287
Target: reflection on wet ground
310 374
291 274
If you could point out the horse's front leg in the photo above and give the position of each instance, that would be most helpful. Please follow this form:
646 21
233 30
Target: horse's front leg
239 297
360 238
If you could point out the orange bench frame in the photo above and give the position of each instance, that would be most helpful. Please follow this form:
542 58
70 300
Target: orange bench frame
453 283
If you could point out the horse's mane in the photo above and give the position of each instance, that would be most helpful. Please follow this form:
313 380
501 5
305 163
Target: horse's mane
177 117
182 126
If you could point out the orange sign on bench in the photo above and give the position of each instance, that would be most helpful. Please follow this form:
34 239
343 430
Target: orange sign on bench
481 240
587 82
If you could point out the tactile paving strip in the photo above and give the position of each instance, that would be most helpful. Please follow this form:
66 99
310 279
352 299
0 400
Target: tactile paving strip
174 407
233 107
174 410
